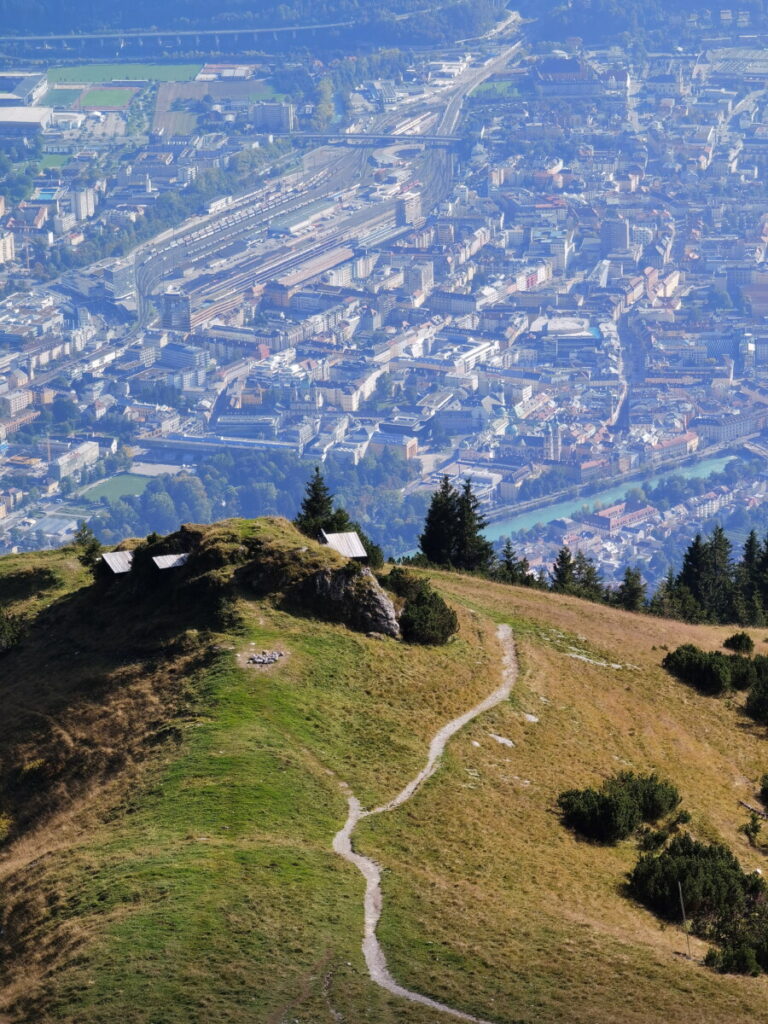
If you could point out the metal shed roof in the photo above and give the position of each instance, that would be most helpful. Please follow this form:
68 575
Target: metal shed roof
170 561
347 544
118 561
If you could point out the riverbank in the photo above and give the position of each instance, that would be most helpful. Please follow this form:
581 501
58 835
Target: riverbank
567 507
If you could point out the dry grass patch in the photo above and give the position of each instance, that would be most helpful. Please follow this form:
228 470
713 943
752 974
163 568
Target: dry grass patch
490 903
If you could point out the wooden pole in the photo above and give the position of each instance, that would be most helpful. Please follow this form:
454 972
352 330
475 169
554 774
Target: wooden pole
685 922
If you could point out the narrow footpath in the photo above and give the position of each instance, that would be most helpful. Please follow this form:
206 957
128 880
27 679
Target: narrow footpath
342 842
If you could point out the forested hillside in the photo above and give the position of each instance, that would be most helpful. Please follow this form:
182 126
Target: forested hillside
257 484
441 21
596 21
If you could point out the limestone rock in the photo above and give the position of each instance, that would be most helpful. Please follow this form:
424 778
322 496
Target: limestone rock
355 599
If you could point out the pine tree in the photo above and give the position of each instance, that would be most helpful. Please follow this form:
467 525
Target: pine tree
317 514
438 541
756 612
374 554
87 546
473 552
663 603
509 562
563 576
751 557
512 569
747 602
693 570
717 587
316 507
587 582
631 592
673 600
762 573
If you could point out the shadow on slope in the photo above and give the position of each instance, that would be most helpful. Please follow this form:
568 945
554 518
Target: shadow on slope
103 672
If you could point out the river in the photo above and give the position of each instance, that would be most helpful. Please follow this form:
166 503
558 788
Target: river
563 509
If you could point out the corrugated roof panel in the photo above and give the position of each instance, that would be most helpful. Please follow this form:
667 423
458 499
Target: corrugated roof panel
347 544
170 561
118 561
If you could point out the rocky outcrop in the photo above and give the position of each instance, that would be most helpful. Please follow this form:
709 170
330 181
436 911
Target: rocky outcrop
355 599
309 579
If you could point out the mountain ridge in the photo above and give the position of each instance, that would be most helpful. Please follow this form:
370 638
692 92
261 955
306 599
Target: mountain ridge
195 878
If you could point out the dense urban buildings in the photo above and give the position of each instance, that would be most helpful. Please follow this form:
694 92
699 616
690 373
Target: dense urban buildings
541 268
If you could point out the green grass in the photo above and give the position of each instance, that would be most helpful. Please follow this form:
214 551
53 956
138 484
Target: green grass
107 98
103 73
117 487
207 889
501 88
263 91
488 896
61 98
212 889
234 837
216 890
54 160
29 583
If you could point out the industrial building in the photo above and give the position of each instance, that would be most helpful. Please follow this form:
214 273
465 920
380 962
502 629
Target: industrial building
22 122
7 247
22 87
175 311
274 117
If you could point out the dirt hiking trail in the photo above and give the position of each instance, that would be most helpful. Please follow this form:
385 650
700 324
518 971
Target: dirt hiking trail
375 959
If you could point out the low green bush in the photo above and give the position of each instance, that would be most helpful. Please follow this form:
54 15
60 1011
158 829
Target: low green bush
426 618
708 673
597 815
756 704
652 839
655 797
723 904
403 583
709 874
741 642
733 959
616 810
743 672
760 661
12 629
714 673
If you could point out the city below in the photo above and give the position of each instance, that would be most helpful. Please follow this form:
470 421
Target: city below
543 269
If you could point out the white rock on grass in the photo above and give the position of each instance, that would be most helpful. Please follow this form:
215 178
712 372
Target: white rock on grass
501 739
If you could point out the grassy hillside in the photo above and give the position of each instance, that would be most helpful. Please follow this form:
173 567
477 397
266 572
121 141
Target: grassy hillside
180 865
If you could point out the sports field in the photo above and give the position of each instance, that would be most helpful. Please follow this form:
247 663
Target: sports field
117 487
61 97
179 122
99 73
53 160
106 99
